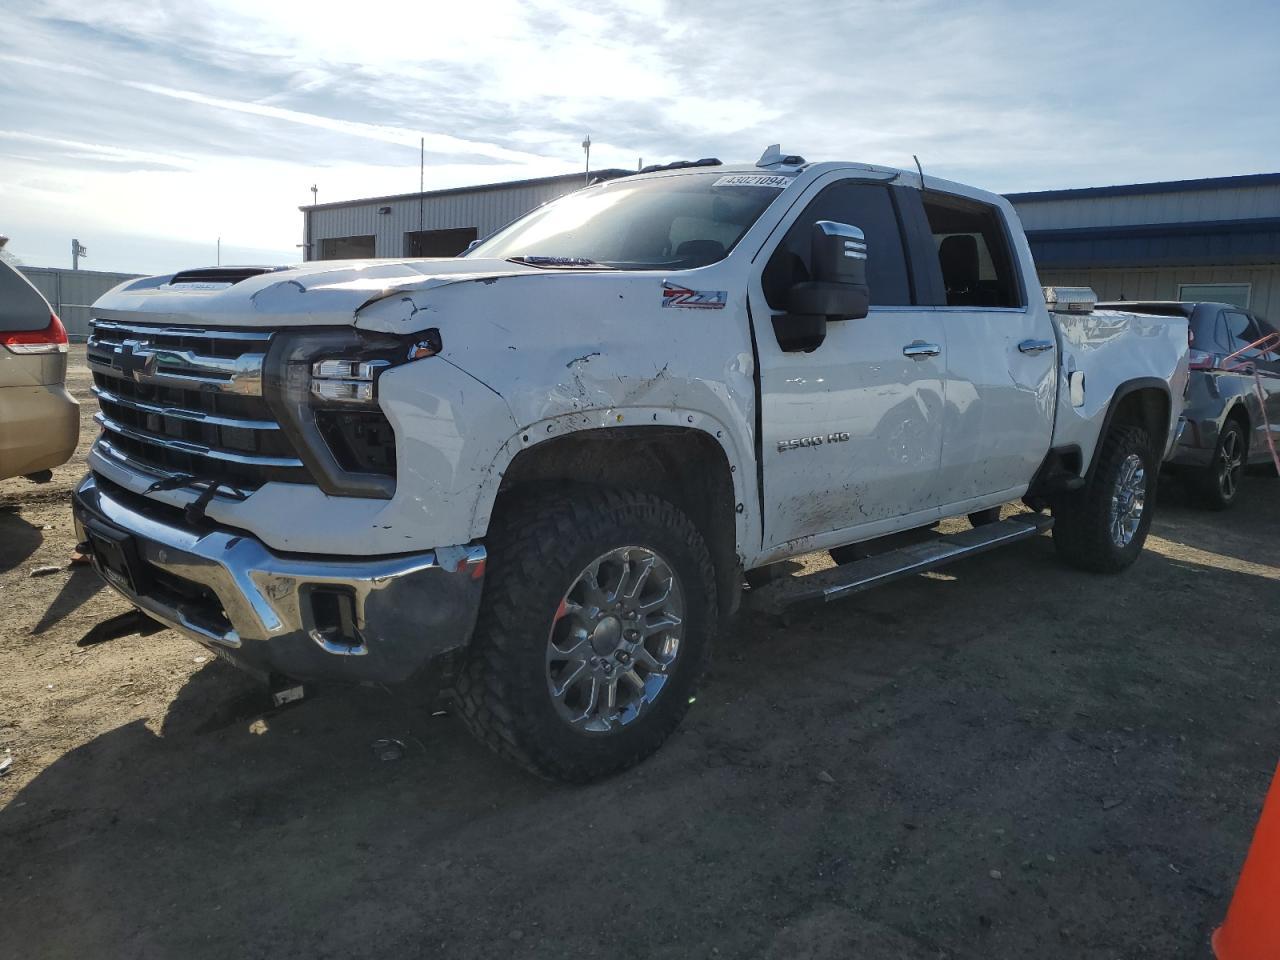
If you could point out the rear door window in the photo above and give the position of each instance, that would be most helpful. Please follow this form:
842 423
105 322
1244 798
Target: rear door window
973 253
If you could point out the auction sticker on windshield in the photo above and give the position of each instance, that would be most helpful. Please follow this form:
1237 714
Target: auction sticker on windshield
752 180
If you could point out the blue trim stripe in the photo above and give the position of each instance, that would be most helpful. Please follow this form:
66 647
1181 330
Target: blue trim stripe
1159 244
1134 189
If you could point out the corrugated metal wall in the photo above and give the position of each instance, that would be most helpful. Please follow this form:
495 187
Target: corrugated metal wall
1161 283
71 292
1065 213
486 210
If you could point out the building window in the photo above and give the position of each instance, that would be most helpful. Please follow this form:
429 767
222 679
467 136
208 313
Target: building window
1236 294
438 243
346 248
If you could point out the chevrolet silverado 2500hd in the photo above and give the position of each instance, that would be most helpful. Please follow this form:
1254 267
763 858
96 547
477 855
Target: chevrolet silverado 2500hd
555 457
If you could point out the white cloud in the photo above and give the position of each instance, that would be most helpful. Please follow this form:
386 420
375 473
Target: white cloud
186 118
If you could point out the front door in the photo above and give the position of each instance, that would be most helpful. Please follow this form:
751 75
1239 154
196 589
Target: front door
851 432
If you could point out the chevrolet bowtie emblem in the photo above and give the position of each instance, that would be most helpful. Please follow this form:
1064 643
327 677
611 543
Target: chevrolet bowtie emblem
135 357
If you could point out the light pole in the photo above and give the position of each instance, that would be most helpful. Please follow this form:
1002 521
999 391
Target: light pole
586 148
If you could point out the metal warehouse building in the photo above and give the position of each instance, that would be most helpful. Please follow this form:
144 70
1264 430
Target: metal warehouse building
1214 239
438 223
70 293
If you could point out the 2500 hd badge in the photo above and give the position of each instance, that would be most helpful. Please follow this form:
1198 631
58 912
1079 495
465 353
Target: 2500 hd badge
796 444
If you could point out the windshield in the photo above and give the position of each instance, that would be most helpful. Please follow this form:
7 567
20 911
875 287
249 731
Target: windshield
662 223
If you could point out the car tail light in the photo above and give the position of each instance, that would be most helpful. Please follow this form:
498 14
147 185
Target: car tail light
52 339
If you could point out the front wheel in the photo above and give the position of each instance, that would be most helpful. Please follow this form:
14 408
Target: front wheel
598 611
1102 526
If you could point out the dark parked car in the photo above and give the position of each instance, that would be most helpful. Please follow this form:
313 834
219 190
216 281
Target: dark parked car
1225 424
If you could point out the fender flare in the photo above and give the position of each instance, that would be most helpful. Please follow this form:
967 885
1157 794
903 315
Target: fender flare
741 469
1122 391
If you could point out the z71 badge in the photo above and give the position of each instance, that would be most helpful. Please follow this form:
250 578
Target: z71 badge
796 444
686 299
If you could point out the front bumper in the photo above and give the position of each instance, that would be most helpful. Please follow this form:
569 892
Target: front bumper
271 613
39 428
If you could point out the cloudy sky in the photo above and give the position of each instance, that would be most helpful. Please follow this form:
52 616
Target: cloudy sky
149 129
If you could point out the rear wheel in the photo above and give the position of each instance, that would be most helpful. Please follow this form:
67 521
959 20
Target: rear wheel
1102 526
595 628
1217 485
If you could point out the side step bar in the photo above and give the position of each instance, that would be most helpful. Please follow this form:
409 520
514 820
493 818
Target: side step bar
850 578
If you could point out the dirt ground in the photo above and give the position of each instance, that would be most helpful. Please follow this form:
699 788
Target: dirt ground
1016 760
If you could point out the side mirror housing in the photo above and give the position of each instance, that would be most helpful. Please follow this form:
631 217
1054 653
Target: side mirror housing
838 290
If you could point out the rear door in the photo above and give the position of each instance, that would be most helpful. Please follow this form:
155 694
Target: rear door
1001 354
851 429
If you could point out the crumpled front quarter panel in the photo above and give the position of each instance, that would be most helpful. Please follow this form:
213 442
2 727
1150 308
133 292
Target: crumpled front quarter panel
574 350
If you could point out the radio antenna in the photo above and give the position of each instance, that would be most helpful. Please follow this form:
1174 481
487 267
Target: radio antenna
919 170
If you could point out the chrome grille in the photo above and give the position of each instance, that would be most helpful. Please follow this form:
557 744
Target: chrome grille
188 400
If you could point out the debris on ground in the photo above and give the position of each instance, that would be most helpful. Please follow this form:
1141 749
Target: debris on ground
825 777
388 749
44 571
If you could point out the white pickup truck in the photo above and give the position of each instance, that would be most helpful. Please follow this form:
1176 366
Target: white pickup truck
554 458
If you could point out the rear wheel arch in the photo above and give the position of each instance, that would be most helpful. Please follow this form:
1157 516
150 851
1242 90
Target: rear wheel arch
1240 413
1144 403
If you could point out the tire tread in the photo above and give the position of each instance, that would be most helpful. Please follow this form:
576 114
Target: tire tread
525 542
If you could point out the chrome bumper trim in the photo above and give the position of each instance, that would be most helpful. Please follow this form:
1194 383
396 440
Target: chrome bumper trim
407 608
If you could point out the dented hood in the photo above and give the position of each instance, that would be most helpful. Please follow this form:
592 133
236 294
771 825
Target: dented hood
318 293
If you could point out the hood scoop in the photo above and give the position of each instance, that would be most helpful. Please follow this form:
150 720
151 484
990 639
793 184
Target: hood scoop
228 275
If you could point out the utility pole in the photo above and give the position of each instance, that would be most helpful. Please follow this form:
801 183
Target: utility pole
78 250
586 148
219 251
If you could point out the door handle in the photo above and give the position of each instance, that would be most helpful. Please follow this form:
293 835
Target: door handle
1035 346
918 350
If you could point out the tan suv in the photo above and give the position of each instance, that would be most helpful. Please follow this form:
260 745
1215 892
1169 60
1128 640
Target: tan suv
39 420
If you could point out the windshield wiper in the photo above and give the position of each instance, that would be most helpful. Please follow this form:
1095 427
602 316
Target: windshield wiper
570 262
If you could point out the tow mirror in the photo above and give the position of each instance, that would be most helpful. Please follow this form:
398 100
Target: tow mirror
838 290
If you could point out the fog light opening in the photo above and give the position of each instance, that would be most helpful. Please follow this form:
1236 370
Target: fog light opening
333 618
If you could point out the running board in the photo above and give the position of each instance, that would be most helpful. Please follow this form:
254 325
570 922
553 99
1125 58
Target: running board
835 583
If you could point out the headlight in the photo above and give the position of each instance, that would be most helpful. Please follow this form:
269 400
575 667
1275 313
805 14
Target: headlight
346 381
322 386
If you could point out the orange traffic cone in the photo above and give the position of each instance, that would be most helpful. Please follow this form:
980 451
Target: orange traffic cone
1252 928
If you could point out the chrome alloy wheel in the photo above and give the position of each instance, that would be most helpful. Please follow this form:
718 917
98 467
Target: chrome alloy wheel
1230 464
615 639
1128 500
